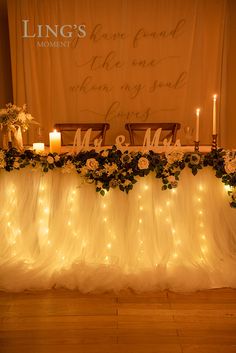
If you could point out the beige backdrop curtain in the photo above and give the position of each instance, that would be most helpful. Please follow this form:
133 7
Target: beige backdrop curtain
152 60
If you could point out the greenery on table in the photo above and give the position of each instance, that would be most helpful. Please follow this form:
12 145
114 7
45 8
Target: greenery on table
112 168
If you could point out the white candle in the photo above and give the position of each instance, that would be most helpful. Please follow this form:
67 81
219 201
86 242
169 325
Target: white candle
55 141
197 124
38 147
214 115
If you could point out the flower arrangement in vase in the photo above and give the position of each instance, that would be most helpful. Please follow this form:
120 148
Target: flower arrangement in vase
13 121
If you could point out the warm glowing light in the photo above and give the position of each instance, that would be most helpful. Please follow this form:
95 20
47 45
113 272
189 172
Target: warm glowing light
145 187
69 223
140 220
173 231
204 249
203 237
141 208
109 245
46 210
105 219
227 187
55 141
38 147
175 255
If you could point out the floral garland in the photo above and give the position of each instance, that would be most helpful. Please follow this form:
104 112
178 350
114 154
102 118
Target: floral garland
112 168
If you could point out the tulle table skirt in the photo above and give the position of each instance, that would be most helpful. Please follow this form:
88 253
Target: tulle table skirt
57 232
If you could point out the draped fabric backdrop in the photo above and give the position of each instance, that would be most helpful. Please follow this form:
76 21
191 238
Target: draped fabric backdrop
149 61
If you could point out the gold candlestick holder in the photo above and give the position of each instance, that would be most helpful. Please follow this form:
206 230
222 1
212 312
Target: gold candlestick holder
214 142
196 146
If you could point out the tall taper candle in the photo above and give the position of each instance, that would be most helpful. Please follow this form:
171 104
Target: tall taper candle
197 124
214 115
55 141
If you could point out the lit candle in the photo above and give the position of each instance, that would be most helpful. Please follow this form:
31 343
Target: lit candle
197 124
55 141
214 114
38 147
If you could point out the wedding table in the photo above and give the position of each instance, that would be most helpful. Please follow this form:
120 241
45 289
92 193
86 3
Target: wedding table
56 231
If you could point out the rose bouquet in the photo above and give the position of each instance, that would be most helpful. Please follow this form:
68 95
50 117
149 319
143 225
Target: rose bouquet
14 120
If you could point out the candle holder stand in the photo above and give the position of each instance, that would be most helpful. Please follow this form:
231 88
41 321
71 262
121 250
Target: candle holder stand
196 146
214 142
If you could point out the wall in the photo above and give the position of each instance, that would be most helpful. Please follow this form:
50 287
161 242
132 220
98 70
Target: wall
5 61
230 130
231 78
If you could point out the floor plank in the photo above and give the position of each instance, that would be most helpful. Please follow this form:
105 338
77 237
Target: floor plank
65 321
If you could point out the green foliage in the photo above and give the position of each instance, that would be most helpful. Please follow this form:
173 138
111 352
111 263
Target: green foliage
112 168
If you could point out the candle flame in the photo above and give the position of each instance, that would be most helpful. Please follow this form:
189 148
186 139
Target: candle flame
54 130
214 97
197 111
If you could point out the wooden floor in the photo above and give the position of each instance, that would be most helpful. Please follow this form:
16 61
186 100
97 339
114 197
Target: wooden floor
67 321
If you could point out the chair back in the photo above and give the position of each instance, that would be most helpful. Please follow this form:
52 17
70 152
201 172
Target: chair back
136 131
68 131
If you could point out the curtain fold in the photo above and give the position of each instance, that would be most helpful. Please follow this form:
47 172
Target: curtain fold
150 61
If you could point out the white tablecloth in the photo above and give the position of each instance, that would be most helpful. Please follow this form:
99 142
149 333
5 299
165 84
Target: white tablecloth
56 232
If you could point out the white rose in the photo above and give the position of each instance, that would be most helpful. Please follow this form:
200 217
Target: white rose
143 163
21 117
171 179
105 154
68 167
99 184
127 182
84 171
174 156
50 160
92 164
110 168
230 166
57 158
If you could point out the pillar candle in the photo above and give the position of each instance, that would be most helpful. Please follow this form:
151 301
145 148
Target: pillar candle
197 124
214 115
55 142
38 147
